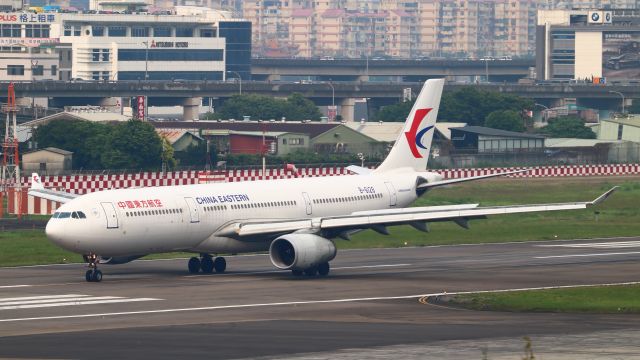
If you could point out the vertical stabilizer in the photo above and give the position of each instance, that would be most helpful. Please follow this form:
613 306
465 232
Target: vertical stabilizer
413 145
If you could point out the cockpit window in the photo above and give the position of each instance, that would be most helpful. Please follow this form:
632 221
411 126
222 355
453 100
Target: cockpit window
74 215
55 215
64 215
81 215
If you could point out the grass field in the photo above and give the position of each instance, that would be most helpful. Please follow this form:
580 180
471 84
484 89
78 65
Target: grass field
601 299
618 216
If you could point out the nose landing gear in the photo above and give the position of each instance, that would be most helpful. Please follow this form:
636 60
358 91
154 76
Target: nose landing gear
93 274
207 264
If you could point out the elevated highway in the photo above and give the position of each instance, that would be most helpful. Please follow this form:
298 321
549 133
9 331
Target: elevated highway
399 70
190 94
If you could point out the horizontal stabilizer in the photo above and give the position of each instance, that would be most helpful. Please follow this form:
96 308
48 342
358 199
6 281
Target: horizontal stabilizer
472 178
359 170
38 190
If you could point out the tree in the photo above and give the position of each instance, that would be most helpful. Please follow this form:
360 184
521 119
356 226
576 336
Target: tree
508 120
131 144
396 112
568 127
168 154
469 105
295 107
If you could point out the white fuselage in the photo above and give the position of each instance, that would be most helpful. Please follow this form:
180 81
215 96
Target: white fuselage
161 219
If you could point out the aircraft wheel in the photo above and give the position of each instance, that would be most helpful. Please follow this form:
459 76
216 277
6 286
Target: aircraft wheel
96 275
220 264
323 269
194 265
206 264
312 271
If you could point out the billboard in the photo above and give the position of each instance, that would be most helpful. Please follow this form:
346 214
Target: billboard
621 55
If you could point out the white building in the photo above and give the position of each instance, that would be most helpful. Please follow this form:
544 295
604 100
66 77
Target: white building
192 44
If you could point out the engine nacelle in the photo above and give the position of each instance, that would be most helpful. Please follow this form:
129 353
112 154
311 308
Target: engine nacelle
116 260
301 251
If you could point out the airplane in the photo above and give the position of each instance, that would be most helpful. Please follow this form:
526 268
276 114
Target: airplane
295 220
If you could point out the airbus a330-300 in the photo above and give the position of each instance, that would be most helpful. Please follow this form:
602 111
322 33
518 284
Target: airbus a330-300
295 220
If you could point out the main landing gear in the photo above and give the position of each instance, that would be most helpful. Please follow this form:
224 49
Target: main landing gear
207 264
322 270
93 274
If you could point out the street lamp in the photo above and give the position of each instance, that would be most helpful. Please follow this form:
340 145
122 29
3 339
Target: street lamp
146 60
333 102
333 94
239 79
622 95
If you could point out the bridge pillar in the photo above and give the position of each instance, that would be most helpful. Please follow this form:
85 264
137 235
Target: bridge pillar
347 106
191 108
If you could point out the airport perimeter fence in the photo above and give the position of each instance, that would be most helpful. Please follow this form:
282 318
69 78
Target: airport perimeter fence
20 201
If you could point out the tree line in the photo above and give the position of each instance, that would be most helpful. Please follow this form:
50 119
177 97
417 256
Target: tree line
491 109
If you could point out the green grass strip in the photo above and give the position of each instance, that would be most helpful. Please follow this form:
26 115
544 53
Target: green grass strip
596 299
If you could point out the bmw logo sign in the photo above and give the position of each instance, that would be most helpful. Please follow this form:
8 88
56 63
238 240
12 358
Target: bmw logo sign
595 16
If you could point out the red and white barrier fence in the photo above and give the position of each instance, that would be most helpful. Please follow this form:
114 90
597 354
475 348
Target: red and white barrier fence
83 184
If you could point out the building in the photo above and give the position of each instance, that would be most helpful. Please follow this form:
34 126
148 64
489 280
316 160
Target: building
180 139
10 5
52 161
399 29
82 113
480 140
190 43
586 44
619 129
257 142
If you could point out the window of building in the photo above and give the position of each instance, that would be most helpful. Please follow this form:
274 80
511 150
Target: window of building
95 55
117 31
67 30
10 30
296 141
184 32
162 31
54 70
15 70
38 70
97 30
140 31
37 31
620 130
77 30
170 55
207 33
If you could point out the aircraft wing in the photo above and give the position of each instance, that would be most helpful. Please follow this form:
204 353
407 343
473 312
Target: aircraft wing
378 220
38 190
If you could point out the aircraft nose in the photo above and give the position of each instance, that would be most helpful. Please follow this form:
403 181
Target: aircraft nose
56 233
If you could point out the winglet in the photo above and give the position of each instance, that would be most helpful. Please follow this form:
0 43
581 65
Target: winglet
36 183
604 196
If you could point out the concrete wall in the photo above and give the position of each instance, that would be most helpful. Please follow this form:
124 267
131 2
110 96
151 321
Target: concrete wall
609 131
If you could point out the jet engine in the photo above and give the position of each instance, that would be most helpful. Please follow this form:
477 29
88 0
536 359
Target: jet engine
116 260
301 251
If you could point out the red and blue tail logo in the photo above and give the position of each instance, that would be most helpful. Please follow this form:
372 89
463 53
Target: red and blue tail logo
414 137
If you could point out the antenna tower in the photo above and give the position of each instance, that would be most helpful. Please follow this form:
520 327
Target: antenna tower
10 157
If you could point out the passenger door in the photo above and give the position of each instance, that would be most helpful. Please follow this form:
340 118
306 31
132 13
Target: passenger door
193 210
111 215
307 203
393 198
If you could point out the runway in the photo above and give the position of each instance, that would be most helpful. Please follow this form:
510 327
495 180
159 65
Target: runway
367 307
